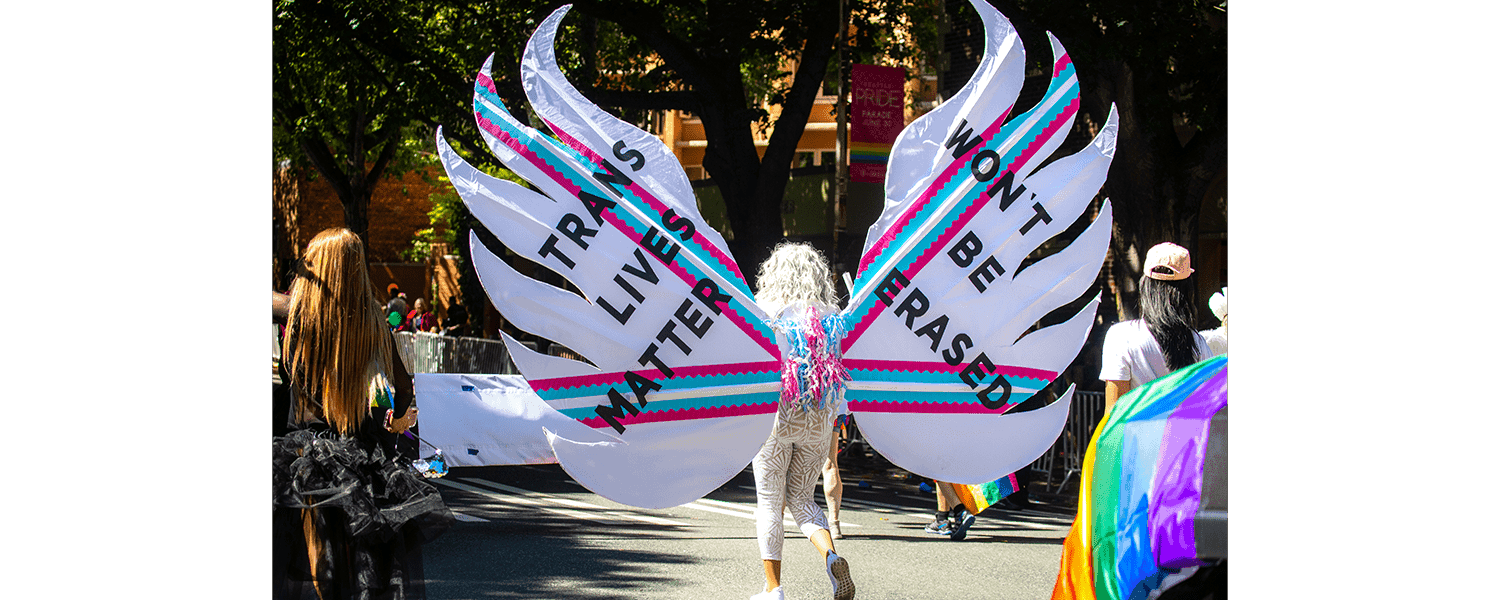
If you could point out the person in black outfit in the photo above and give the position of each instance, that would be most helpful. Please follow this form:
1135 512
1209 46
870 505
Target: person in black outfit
350 514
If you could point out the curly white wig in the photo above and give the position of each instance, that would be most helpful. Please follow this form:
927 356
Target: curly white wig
795 272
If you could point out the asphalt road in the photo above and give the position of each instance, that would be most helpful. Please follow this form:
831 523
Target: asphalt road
532 532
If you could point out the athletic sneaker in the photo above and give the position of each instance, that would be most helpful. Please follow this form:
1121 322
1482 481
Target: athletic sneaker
775 594
838 573
962 520
834 531
939 527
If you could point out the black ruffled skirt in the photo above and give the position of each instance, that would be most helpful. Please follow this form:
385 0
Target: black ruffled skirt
368 512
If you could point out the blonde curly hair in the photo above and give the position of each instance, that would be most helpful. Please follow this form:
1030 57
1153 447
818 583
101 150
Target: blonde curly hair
795 272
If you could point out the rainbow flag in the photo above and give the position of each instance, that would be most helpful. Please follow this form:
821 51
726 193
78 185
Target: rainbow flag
1153 497
981 496
869 152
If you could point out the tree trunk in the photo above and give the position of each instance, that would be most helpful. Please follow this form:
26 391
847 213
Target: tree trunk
284 231
357 213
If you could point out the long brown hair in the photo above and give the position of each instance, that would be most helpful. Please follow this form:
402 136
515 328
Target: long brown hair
336 336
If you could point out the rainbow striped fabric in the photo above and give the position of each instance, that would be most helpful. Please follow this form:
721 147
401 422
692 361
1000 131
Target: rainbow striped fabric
1148 508
982 496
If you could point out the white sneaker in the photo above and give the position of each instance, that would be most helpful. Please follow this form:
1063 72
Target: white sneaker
838 573
771 595
834 532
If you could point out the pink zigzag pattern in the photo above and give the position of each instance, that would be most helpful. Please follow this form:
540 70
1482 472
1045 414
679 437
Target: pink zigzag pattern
686 414
519 148
927 195
735 317
901 366
931 408
688 372
641 192
963 220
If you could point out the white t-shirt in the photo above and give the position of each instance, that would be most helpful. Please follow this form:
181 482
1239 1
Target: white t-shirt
1130 353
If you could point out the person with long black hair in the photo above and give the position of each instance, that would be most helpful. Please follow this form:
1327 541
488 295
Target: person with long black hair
1165 338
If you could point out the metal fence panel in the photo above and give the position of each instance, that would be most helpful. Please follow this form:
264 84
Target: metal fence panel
1066 455
432 353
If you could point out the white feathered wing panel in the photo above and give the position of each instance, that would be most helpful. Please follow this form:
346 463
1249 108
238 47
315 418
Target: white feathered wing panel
686 383
941 299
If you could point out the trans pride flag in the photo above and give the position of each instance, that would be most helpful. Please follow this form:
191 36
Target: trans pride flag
1153 501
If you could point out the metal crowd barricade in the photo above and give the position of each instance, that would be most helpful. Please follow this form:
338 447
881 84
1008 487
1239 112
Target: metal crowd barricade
1066 454
432 353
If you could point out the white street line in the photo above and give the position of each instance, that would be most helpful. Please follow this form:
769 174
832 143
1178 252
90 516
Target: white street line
898 510
733 513
576 504
742 510
749 508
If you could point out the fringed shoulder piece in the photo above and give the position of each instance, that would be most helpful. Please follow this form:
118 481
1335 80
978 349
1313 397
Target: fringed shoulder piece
812 370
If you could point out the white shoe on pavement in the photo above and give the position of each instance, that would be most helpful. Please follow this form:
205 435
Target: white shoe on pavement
834 532
775 594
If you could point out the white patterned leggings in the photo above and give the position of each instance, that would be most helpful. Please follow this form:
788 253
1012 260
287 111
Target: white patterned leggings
786 471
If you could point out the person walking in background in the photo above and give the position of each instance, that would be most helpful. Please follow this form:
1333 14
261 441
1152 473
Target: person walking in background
349 514
1218 339
1164 339
952 519
833 484
796 293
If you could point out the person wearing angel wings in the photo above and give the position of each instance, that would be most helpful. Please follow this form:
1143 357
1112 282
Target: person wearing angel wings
796 292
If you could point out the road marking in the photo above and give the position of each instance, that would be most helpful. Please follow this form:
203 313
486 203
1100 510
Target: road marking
738 509
896 509
575 504
467 518
749 508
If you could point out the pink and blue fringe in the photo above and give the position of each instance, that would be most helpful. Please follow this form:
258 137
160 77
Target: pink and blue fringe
812 373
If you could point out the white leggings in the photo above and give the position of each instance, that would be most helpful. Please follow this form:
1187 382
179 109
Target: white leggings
786 471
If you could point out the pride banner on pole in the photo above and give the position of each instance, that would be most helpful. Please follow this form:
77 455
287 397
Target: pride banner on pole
875 119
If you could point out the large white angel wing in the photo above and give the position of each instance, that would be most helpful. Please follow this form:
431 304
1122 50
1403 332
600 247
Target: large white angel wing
940 300
686 383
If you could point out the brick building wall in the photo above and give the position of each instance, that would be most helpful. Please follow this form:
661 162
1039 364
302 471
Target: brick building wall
398 208
305 206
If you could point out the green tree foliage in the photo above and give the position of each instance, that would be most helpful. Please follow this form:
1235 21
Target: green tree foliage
722 61
357 87
1164 65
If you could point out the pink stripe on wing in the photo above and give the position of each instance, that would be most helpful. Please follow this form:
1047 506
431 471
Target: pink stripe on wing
1062 63
928 408
932 189
941 367
577 381
687 414
651 200
963 220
